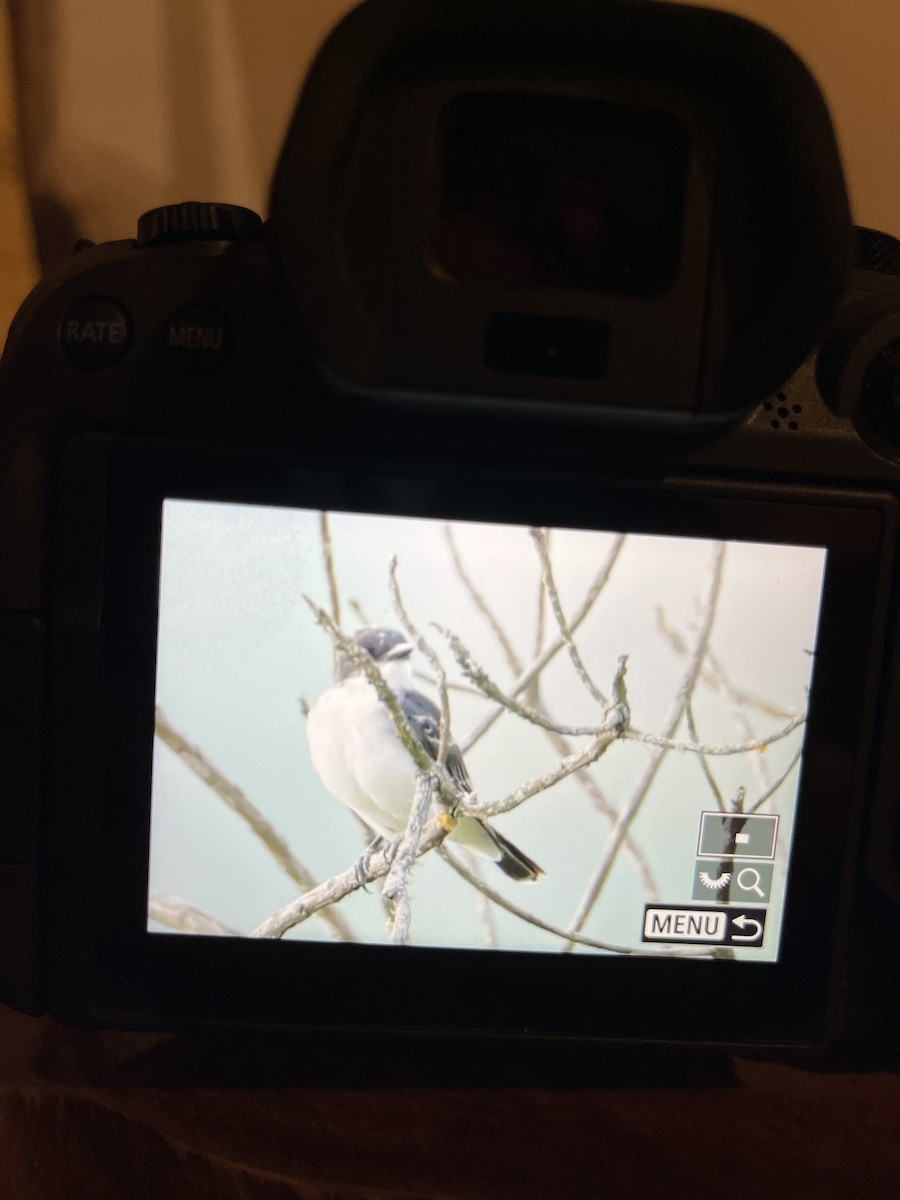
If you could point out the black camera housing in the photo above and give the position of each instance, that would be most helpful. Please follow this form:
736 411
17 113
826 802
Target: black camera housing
333 358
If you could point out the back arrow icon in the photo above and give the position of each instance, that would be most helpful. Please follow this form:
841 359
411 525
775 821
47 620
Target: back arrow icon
743 923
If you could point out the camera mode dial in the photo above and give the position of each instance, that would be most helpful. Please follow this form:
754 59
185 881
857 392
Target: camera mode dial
192 221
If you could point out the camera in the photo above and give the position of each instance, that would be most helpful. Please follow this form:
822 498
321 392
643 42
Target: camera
557 381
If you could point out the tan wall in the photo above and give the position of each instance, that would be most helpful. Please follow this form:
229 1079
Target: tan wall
852 49
133 104
17 266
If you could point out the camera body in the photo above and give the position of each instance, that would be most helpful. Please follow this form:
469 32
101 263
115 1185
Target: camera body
471 306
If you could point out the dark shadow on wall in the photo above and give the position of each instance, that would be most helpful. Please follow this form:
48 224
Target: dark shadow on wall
34 40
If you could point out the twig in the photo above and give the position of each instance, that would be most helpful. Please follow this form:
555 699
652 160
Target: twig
176 913
359 612
609 732
197 762
599 800
760 801
559 742
541 618
538 536
327 555
707 771
434 833
485 906
428 652
716 677
342 884
464 689
719 751
540 661
632 808
486 917
481 604
479 676
436 830
396 886
739 700
742 696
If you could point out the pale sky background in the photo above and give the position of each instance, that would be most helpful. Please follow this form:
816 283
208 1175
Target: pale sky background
239 649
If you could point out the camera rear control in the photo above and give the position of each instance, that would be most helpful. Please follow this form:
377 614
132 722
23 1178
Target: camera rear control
858 370
195 222
95 332
196 338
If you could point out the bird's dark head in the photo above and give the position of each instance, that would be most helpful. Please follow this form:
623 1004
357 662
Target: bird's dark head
385 646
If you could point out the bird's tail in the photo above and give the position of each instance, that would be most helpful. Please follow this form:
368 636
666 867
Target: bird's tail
513 861
486 841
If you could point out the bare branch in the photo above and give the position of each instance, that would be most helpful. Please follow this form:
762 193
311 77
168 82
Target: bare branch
716 677
481 604
603 806
428 652
345 882
463 689
760 801
479 676
177 914
488 924
333 596
673 719
540 622
396 885
541 660
738 700
197 762
608 733
559 742
707 771
485 906
719 751
538 536
439 826
359 612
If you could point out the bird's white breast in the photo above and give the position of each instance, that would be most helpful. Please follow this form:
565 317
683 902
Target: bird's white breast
355 749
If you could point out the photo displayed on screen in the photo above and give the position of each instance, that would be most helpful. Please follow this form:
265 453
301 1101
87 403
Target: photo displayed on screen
619 769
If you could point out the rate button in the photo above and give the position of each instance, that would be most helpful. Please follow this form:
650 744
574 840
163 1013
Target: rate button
95 332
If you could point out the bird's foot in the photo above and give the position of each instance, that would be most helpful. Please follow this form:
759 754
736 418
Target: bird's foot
361 866
390 850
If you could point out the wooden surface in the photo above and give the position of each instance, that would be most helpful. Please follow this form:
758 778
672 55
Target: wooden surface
116 1116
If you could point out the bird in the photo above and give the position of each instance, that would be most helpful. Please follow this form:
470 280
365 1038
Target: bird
359 757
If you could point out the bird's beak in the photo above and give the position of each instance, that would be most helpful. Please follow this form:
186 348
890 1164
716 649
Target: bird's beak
401 650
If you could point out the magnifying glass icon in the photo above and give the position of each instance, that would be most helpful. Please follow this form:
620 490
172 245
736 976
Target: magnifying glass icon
748 879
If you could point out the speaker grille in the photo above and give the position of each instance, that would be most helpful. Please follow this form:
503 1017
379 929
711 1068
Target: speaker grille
782 413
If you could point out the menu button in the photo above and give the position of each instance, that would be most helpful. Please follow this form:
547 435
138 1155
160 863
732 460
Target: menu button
196 338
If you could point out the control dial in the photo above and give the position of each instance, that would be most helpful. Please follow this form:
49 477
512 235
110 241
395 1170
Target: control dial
193 221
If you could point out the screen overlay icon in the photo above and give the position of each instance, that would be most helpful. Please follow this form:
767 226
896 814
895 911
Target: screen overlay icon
732 881
737 835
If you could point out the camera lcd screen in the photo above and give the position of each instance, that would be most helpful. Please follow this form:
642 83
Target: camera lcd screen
555 191
629 711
